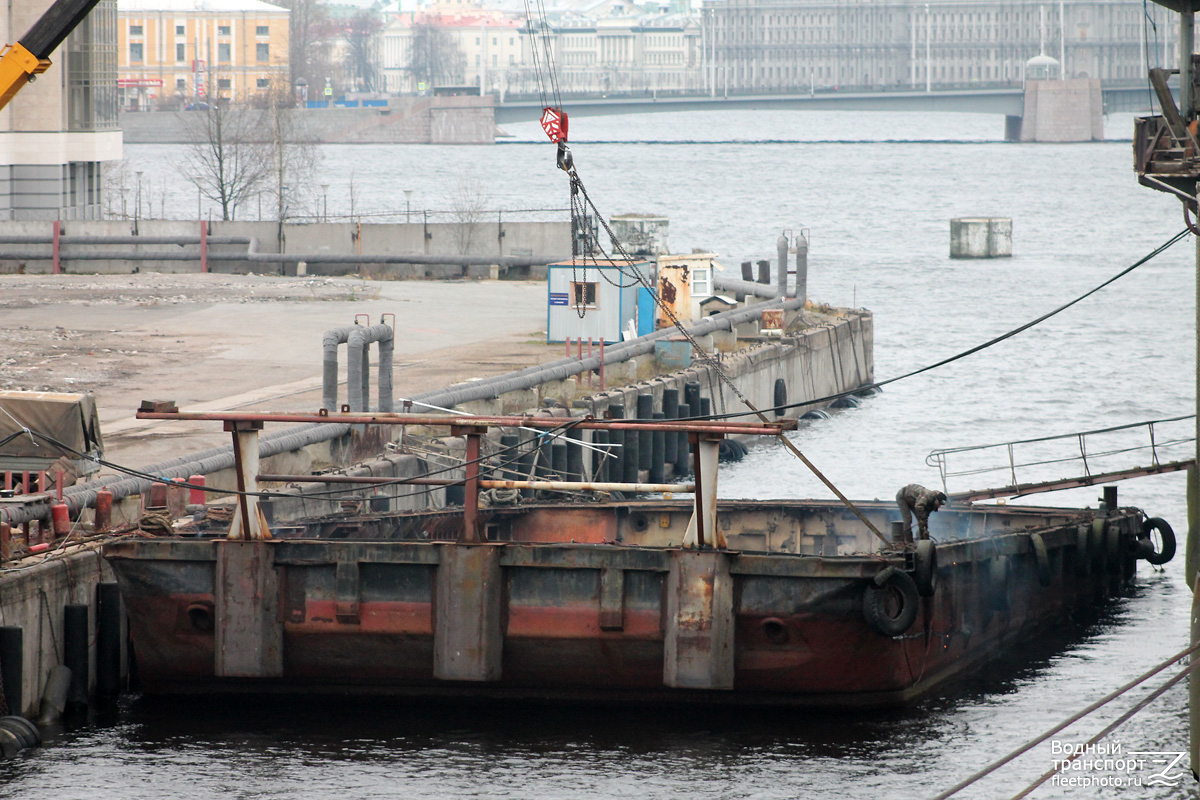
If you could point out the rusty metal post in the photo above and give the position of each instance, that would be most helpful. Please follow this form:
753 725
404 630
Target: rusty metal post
248 629
470 531
468 640
57 263
248 522
204 246
568 338
699 637
702 530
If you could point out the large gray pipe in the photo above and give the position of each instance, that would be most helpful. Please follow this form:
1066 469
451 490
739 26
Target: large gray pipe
298 437
734 286
251 253
358 366
801 268
781 248
329 364
357 339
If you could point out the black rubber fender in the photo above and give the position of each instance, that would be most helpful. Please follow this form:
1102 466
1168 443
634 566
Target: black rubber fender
1083 558
10 743
780 396
890 602
1166 534
28 738
730 450
1096 545
1112 547
925 568
32 732
1041 559
998 583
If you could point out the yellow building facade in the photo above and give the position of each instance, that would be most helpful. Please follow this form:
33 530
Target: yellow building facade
175 53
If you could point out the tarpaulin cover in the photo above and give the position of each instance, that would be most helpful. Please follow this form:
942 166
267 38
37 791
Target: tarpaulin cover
69 418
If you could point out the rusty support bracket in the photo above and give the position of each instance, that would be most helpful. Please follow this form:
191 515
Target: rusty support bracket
612 599
473 433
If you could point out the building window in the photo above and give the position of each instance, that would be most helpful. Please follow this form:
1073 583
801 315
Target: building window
263 83
477 61
223 30
495 61
223 83
180 30
135 52
223 52
181 84
135 30
181 52
583 295
700 282
262 30
262 51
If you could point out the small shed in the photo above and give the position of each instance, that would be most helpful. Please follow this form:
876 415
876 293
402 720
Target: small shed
716 304
684 281
592 298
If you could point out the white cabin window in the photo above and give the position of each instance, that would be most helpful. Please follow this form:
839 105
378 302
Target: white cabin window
701 282
583 295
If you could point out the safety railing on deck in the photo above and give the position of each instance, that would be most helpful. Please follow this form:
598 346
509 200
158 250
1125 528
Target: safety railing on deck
1037 465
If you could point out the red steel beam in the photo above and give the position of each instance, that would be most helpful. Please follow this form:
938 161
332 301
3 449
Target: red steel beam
484 483
444 420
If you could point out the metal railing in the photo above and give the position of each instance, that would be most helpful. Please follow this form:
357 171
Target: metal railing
1030 462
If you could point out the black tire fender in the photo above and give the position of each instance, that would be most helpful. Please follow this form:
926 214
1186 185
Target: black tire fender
1083 558
780 396
925 568
998 583
1146 547
1112 547
34 733
1096 545
27 737
890 602
1041 559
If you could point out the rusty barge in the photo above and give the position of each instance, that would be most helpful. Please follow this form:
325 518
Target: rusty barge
799 603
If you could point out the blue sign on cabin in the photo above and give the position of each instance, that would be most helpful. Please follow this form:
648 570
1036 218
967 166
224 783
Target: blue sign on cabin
558 298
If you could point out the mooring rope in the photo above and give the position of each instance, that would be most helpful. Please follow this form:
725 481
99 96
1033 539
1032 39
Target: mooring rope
1108 698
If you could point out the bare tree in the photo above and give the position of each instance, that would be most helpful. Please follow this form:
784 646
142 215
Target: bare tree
435 58
362 41
226 158
310 31
467 211
292 158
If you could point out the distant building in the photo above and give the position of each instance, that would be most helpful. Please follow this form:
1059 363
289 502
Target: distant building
781 45
177 52
469 46
58 132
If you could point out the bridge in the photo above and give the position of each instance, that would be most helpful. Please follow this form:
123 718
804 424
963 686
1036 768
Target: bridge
1008 101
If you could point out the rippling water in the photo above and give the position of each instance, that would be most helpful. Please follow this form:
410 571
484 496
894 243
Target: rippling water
878 206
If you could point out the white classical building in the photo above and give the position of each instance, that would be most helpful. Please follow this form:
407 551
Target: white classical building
788 45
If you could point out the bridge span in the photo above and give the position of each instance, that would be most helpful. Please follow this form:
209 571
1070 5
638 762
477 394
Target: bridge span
1008 101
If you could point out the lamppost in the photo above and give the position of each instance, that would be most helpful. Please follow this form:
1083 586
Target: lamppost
324 202
137 208
408 193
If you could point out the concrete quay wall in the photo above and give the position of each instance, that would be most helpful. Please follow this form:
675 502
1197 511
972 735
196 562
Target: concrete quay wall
818 362
406 120
33 597
482 238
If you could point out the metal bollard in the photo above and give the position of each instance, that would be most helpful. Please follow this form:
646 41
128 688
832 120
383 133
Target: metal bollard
102 517
645 411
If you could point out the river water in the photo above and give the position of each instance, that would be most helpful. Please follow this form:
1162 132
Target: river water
877 192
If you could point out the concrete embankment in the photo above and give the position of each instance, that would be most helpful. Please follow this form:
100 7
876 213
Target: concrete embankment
472 248
405 120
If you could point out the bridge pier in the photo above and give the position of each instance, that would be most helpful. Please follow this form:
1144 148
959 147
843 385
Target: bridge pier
1059 111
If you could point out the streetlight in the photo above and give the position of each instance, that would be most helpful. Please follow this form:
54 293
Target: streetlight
407 204
137 209
325 202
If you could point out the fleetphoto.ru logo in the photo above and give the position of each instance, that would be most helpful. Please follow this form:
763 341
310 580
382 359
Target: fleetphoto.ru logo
1111 764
